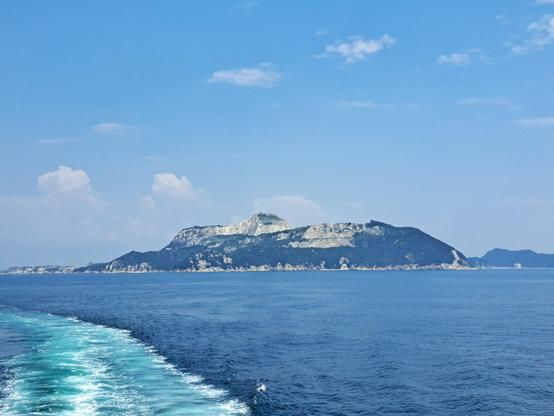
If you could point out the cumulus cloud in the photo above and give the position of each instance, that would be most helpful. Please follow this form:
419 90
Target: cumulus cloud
357 48
297 209
262 76
169 185
64 179
66 224
65 216
114 128
171 190
536 122
66 187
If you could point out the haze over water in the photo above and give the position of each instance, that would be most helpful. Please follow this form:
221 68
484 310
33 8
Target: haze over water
312 343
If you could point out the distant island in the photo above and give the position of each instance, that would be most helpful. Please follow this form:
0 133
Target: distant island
500 257
266 242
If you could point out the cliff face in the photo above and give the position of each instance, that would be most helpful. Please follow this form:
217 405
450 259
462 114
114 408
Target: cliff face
267 242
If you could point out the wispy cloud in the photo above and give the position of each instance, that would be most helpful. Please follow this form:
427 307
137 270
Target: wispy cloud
114 128
356 48
57 141
541 35
536 122
490 102
545 1
456 59
262 76
518 49
320 32
543 30
464 58
363 104
371 105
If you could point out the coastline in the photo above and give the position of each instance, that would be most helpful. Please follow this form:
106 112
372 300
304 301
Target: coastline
131 270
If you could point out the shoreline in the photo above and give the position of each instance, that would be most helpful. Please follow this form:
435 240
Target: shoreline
265 269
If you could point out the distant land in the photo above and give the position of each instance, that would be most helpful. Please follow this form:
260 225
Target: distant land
266 242
500 257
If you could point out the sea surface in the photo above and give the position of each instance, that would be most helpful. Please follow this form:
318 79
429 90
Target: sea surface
298 343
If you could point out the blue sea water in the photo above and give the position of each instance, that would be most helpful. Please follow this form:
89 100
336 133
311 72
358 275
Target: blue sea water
299 343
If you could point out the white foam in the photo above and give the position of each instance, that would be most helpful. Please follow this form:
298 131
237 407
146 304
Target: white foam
104 365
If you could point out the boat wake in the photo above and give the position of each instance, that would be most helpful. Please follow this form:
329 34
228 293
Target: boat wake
70 367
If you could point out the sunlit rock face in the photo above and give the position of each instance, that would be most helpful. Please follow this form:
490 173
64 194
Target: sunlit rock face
267 242
257 224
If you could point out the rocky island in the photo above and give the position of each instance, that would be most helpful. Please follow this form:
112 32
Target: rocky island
268 242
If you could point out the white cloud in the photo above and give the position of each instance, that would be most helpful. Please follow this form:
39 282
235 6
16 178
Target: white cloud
489 102
464 58
543 31
57 141
114 128
320 32
536 122
456 59
359 104
518 49
148 202
541 35
371 105
545 1
67 187
297 209
64 179
170 186
67 224
261 76
363 104
170 191
357 48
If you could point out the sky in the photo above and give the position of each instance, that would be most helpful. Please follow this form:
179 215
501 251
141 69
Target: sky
122 122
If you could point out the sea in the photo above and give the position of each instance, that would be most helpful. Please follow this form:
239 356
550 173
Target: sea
467 342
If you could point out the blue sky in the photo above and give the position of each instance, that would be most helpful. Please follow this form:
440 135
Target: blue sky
122 122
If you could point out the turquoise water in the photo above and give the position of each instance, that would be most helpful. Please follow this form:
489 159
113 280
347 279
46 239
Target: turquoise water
69 367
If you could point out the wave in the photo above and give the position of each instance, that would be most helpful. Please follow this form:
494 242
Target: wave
70 367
